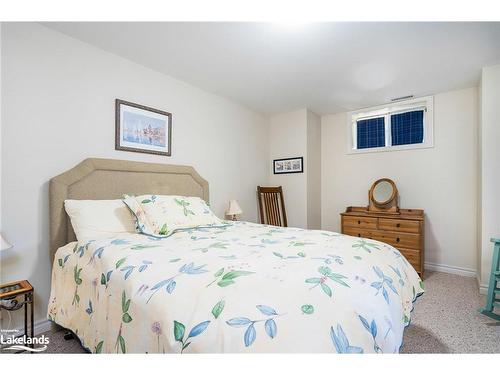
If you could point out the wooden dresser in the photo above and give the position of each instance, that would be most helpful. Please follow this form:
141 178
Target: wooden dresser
403 230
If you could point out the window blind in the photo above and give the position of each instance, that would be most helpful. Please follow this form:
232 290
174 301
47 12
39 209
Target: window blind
407 128
370 133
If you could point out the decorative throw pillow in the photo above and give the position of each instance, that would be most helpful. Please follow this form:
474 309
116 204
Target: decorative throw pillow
162 215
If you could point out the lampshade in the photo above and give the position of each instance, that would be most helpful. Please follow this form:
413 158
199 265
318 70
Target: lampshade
4 245
234 208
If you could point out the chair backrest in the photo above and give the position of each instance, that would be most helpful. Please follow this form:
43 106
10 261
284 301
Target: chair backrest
272 206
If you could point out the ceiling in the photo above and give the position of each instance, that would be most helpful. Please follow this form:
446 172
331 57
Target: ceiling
326 67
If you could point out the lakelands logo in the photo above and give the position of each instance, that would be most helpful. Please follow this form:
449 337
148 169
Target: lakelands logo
11 341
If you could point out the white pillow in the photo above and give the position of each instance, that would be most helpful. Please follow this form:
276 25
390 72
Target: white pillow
94 219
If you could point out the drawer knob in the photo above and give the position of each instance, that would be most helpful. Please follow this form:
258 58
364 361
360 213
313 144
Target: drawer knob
398 225
359 221
397 239
359 235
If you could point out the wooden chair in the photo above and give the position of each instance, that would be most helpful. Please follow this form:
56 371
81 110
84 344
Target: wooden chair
272 206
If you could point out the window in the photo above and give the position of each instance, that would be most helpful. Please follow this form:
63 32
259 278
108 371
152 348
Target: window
399 126
371 133
407 128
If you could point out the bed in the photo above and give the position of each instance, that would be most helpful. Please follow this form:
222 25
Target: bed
240 288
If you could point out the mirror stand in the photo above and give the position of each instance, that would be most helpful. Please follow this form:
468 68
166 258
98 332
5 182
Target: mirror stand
387 193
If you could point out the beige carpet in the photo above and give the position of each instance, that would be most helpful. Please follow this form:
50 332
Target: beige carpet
445 320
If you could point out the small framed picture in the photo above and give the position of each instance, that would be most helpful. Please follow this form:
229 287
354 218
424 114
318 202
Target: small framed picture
142 129
289 165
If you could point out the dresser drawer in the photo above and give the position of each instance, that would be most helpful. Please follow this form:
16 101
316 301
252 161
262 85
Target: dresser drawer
413 257
396 225
356 232
397 240
360 222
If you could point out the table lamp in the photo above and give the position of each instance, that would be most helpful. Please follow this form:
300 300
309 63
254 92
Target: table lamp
233 209
4 245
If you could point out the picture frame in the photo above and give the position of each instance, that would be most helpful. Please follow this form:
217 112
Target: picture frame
142 129
288 165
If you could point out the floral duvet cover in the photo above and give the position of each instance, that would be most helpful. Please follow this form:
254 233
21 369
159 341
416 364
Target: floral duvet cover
240 288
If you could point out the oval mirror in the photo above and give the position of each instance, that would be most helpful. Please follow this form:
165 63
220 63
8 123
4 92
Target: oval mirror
383 192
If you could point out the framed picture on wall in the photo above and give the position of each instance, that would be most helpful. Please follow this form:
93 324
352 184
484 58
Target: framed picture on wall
142 129
289 165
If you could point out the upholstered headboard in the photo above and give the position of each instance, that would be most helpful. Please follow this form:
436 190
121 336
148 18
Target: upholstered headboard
110 179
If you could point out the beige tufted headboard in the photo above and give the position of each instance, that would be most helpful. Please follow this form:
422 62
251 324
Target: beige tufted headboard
110 179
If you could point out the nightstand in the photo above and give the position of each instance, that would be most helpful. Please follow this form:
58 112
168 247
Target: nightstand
11 298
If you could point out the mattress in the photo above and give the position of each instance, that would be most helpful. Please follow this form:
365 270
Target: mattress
241 288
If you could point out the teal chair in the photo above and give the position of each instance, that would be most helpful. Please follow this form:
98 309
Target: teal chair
492 301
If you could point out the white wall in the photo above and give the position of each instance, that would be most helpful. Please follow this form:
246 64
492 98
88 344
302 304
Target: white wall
489 212
479 199
1 127
295 134
287 138
441 180
313 167
58 109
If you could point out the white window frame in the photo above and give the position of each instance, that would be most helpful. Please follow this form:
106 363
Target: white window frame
386 110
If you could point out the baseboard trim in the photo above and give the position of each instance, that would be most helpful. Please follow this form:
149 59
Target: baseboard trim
468 272
41 326
483 288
